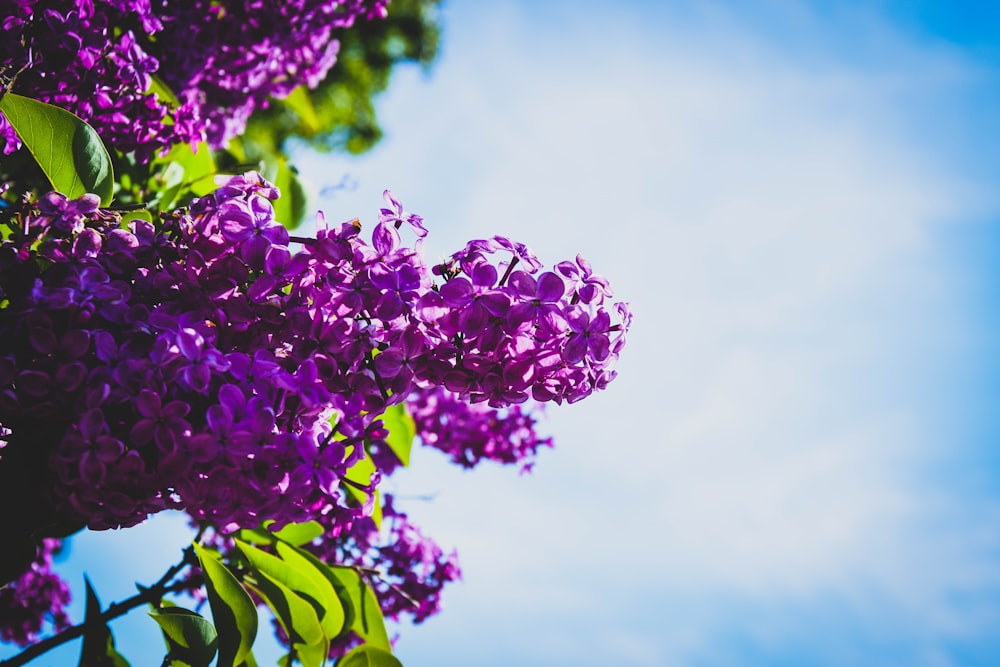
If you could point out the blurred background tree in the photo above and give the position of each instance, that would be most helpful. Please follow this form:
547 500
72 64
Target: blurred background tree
339 115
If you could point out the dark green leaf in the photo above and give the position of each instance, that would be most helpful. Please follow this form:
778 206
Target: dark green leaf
69 151
232 609
98 644
402 430
368 656
192 638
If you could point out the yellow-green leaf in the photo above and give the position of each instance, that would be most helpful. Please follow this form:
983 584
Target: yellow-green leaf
232 609
368 656
402 431
361 473
333 616
299 102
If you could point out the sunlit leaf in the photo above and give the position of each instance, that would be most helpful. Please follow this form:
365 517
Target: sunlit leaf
402 431
290 208
297 611
361 473
322 588
368 656
141 214
161 90
340 583
299 102
232 609
182 173
69 151
368 621
298 534
371 620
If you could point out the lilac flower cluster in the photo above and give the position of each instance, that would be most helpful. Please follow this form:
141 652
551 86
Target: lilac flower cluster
228 58
473 432
37 598
221 59
68 54
197 363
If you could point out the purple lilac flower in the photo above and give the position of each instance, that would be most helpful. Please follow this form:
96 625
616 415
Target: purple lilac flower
472 433
36 600
199 364
221 60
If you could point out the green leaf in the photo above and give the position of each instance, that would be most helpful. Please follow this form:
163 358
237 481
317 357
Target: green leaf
162 91
402 431
367 621
333 616
192 638
68 150
368 656
232 609
297 616
340 584
183 173
298 534
371 619
305 603
141 214
299 102
98 643
295 534
361 473
313 655
290 208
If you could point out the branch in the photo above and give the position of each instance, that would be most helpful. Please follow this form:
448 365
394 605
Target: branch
149 595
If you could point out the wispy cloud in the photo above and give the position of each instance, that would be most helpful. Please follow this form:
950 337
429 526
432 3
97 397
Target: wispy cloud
772 195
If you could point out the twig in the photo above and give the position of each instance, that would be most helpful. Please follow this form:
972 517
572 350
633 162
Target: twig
145 596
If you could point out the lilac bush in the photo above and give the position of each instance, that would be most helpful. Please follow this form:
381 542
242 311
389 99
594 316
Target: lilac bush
97 58
199 358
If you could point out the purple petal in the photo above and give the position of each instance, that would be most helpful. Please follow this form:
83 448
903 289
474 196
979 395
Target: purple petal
550 287
456 292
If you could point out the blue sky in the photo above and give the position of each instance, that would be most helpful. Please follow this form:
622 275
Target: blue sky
797 464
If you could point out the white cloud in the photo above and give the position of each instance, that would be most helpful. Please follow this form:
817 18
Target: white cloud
775 222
